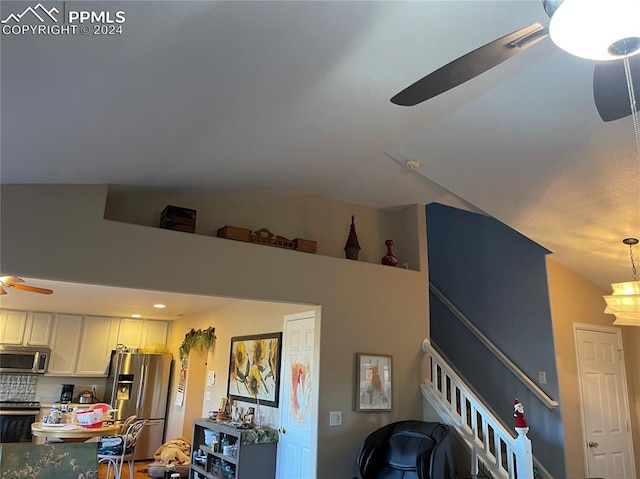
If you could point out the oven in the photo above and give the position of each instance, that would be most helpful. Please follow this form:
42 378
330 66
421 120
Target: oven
15 420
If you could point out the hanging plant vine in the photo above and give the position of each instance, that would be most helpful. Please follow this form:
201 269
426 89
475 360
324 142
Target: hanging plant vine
201 339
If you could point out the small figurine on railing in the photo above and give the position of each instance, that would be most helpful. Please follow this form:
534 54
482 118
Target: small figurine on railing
518 413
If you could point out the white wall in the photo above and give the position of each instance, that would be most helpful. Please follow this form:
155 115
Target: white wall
58 232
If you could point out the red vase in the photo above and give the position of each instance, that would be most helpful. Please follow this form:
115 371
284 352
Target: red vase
389 259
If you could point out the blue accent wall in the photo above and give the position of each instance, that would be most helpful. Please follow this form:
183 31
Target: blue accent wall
497 278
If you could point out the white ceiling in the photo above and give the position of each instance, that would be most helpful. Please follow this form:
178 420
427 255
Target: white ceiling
76 298
293 97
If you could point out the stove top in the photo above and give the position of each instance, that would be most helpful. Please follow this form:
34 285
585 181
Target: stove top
19 405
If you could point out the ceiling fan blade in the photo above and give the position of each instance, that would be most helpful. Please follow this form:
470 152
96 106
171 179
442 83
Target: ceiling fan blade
2 291
610 87
32 289
470 65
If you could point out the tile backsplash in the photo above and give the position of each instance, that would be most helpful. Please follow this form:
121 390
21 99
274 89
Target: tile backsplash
18 387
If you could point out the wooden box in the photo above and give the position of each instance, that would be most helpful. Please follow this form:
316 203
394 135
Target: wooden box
235 233
308 246
178 219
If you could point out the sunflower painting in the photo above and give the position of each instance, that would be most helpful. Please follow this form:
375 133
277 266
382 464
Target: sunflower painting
254 368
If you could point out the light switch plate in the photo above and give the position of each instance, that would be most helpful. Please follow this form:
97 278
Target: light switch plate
211 379
542 377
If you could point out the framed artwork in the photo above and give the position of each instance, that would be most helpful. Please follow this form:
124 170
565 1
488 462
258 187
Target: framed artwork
374 382
254 368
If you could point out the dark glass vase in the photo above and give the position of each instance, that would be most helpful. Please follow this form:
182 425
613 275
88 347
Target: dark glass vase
389 259
352 246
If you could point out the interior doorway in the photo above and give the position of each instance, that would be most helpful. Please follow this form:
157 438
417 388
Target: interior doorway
608 444
297 445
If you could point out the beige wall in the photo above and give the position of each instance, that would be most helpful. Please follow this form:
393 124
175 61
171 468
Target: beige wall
309 217
58 232
236 319
576 300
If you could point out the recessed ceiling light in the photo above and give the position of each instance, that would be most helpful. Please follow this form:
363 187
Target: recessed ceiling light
159 306
136 315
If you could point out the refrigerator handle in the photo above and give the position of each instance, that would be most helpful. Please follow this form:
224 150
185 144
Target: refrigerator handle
143 383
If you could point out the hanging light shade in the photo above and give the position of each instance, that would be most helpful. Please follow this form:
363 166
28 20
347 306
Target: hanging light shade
624 303
596 29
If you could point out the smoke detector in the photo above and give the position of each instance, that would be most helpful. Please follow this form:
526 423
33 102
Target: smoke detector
412 164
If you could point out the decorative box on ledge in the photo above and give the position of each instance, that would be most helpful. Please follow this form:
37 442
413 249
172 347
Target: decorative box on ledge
178 219
266 237
234 233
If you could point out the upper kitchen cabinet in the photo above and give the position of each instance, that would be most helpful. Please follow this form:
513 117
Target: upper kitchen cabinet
154 332
38 329
98 338
67 332
81 345
138 333
12 326
25 329
130 332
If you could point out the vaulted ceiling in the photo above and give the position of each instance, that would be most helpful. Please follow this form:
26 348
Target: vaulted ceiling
293 97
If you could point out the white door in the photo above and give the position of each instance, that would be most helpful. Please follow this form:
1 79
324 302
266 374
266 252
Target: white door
297 445
605 409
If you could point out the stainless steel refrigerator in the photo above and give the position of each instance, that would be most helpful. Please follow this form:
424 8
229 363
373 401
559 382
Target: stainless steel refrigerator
139 384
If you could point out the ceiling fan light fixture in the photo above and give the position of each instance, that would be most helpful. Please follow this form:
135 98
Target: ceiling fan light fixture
596 29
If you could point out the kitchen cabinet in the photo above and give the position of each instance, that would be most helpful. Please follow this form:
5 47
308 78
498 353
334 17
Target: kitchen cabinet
22 328
38 329
81 345
65 344
99 336
130 332
154 332
12 326
138 333
232 453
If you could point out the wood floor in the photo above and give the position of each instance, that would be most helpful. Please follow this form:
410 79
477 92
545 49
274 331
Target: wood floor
139 469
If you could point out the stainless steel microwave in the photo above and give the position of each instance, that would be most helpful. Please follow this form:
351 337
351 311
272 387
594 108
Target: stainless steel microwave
16 359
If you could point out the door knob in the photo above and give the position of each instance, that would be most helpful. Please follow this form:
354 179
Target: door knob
592 444
282 430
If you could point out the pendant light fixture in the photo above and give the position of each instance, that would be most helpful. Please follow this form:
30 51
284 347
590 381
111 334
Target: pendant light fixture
624 303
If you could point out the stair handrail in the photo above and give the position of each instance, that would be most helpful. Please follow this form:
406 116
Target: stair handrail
515 370
515 461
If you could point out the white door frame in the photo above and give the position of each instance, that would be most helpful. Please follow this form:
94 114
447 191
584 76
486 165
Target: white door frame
618 333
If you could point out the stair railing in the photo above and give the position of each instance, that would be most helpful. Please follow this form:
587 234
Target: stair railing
532 386
487 439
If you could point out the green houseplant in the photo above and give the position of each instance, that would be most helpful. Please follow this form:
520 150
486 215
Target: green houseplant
197 338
